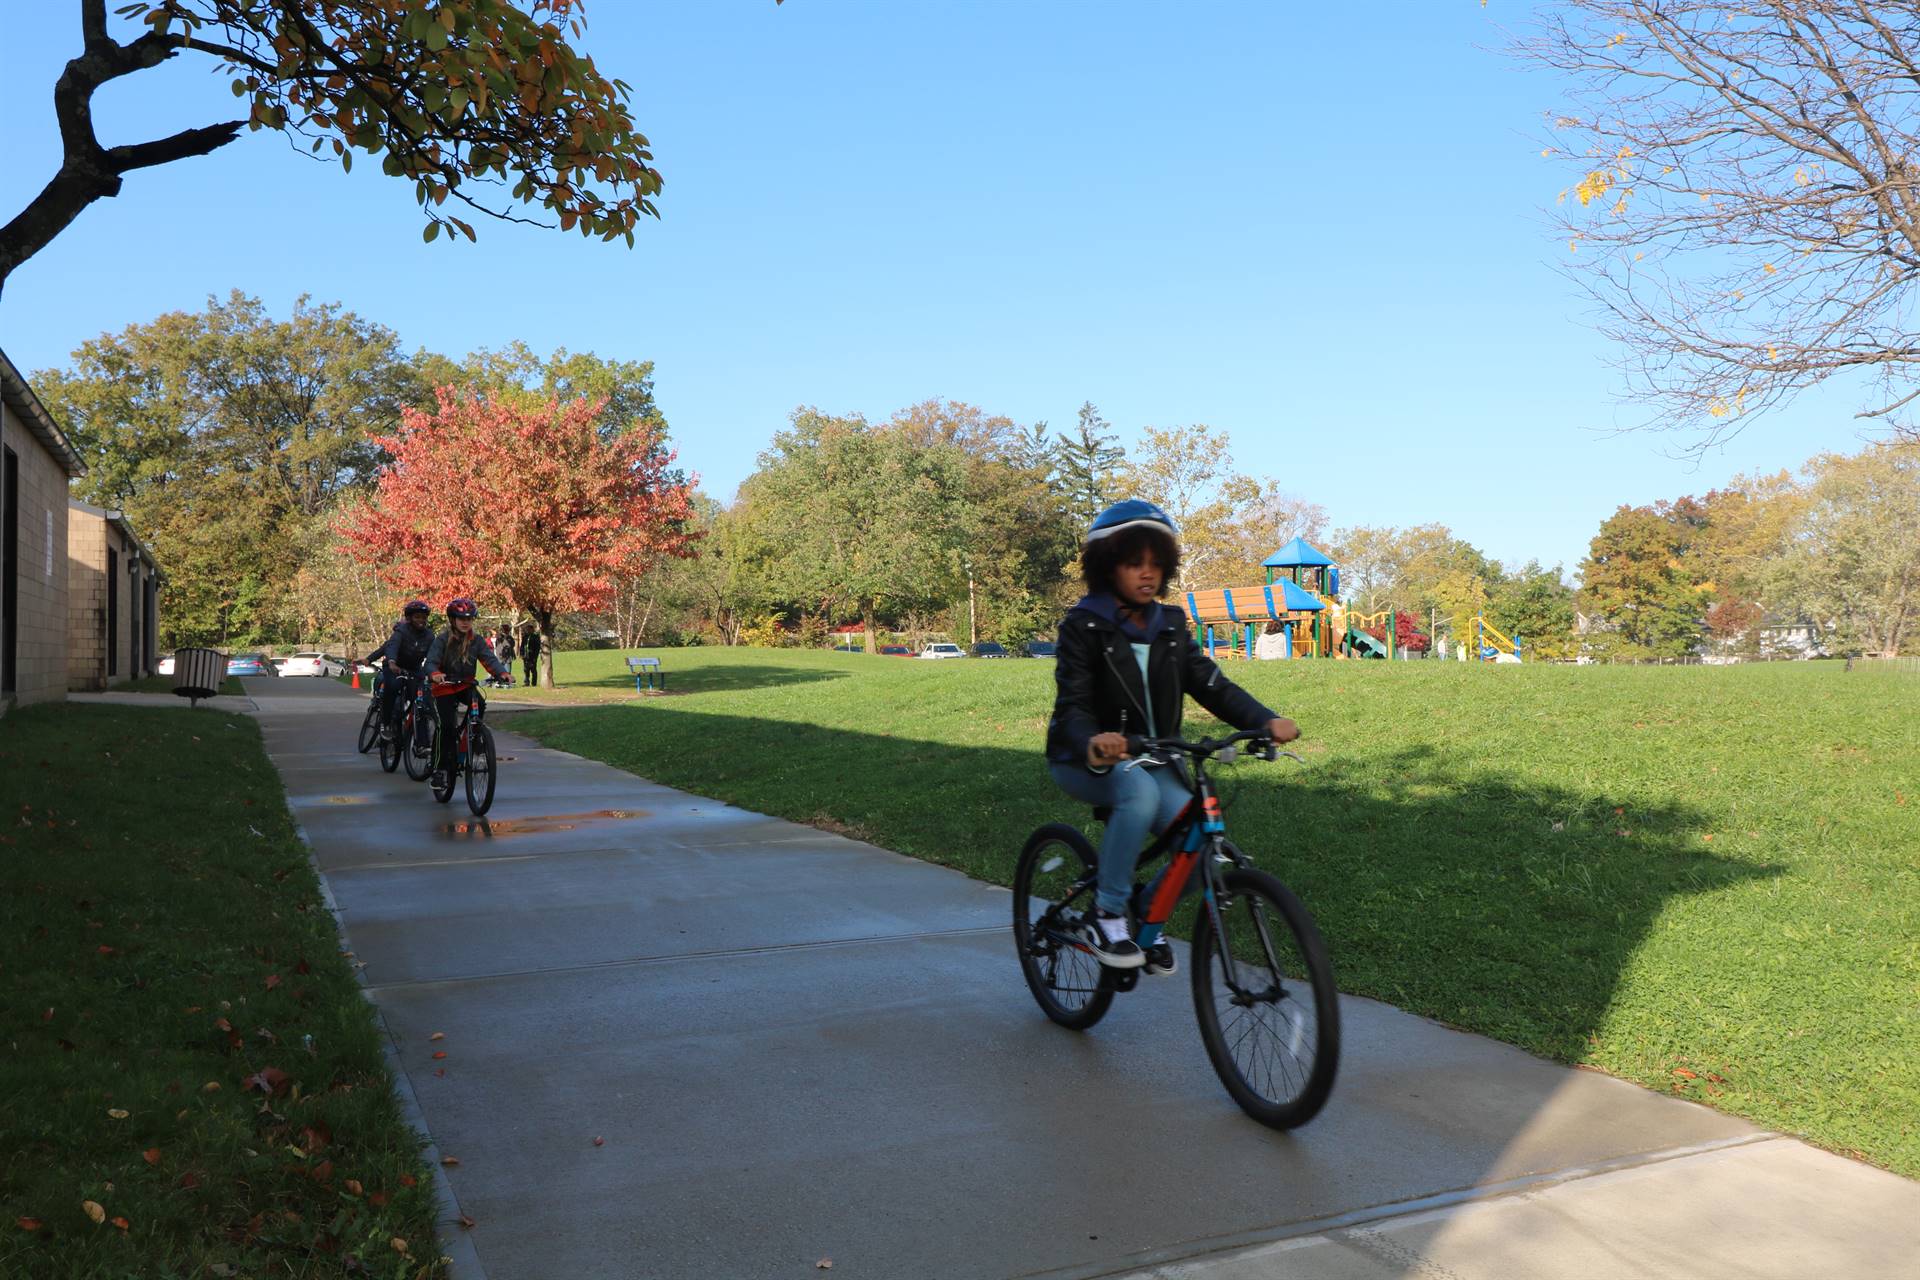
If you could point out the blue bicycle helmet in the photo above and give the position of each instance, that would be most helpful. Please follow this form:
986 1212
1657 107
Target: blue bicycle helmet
1131 513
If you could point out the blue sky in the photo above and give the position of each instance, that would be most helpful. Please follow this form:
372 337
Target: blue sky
1319 227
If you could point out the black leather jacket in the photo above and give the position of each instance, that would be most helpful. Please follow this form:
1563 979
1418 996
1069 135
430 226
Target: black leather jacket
1097 682
407 648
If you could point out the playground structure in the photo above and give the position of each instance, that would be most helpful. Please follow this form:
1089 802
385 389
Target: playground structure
1301 597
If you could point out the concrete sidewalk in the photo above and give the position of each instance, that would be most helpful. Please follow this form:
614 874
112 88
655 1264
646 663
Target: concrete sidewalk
686 1040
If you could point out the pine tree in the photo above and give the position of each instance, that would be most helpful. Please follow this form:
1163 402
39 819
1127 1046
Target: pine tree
1086 459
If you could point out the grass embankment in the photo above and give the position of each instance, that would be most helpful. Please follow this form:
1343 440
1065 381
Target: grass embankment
192 1083
1703 879
164 684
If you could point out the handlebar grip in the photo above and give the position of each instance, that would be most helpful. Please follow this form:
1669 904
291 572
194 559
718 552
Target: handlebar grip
1136 745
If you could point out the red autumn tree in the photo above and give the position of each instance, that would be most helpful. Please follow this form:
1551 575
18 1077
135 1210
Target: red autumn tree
525 504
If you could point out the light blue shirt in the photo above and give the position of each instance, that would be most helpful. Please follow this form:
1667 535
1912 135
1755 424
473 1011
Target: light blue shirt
1140 652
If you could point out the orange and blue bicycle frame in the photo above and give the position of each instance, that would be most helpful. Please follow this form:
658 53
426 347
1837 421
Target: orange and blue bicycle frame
1195 838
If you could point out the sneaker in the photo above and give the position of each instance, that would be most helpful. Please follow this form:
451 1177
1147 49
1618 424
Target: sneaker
386 733
1106 937
1160 958
439 779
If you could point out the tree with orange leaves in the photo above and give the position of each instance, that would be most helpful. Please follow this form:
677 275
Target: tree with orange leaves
521 503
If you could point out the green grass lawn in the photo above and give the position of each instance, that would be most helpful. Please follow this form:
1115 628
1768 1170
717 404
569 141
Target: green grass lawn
164 684
185 1048
1703 879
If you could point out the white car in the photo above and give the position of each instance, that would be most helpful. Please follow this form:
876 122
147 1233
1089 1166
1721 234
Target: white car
312 664
942 651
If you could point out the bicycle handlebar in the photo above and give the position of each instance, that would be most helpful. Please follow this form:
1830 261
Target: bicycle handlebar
1266 748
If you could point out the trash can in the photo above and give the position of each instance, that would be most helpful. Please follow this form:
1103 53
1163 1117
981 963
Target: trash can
198 673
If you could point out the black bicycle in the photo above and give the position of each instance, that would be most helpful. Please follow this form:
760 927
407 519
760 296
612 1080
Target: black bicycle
404 740
474 758
370 726
1262 983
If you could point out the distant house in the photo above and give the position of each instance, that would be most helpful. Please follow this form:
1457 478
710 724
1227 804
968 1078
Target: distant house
113 600
1782 637
36 462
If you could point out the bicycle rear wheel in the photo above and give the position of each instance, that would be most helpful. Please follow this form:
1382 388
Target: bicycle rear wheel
480 771
1271 1019
1051 886
370 727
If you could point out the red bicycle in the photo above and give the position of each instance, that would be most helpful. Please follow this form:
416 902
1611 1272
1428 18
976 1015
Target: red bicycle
473 756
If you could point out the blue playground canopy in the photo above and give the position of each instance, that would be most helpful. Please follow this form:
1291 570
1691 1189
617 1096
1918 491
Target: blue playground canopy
1295 555
1298 598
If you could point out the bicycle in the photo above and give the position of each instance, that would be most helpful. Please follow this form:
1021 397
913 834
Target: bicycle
370 726
474 757
400 744
1268 1011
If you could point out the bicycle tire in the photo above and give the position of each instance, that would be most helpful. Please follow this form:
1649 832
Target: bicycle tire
419 763
449 769
1054 970
391 747
1247 1047
482 771
370 727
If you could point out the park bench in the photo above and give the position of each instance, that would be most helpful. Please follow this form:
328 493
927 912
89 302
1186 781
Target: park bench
645 672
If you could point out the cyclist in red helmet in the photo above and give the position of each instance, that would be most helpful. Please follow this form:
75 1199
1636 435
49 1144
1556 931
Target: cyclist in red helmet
450 665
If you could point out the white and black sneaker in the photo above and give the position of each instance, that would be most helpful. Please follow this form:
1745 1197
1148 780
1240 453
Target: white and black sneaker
1160 959
1107 937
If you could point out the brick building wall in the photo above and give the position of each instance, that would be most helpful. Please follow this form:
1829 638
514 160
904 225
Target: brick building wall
110 624
40 584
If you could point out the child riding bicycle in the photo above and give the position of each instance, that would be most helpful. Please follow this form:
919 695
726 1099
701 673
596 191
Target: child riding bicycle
401 659
1125 665
450 666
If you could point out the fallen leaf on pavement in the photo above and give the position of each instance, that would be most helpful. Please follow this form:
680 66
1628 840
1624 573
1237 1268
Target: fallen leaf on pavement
94 1211
438 1035
599 1142
466 1222
449 1161
439 1054
825 1264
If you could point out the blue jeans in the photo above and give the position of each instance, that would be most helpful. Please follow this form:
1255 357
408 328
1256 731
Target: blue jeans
1142 800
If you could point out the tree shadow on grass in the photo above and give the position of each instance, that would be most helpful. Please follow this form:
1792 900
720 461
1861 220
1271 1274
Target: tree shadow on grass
715 679
1498 903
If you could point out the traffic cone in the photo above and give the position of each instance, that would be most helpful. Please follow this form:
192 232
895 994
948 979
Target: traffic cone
356 677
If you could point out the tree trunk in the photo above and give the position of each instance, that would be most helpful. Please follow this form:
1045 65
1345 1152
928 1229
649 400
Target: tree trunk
543 620
866 618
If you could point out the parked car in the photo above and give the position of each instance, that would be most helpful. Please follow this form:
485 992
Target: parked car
312 664
989 649
250 664
1040 649
895 651
943 651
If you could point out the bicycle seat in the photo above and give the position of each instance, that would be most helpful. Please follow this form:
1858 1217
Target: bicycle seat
1102 813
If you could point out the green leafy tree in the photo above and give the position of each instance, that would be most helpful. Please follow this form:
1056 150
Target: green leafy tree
844 519
1087 461
1634 578
623 387
1535 604
224 435
1854 563
482 103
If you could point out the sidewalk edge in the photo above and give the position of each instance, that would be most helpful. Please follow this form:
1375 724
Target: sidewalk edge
455 1244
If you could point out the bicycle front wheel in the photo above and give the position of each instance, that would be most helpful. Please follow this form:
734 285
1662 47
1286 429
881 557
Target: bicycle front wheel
391 747
370 727
481 769
1263 990
1052 885
419 759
